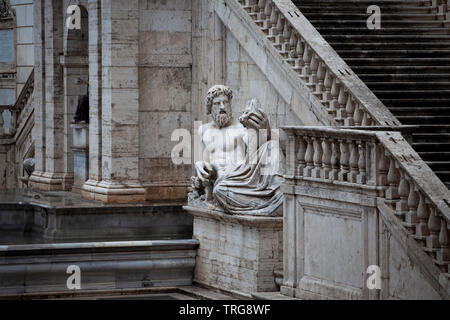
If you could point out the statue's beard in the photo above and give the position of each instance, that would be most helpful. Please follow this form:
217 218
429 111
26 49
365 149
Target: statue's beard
221 119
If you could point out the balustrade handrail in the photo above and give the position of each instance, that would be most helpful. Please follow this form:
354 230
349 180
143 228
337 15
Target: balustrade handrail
344 95
18 106
404 163
25 93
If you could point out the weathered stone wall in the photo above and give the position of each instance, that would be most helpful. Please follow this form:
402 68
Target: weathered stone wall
247 81
165 80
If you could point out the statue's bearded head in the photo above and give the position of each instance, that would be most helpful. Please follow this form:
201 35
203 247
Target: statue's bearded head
218 103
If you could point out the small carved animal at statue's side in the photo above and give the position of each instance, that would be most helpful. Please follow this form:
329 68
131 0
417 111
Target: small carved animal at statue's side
201 189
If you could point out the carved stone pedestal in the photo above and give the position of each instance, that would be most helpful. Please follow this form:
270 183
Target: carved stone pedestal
238 254
81 155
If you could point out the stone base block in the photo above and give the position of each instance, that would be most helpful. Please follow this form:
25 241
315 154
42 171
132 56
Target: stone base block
167 193
237 253
48 181
113 192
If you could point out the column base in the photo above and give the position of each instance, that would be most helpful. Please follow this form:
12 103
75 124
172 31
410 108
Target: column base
49 181
111 192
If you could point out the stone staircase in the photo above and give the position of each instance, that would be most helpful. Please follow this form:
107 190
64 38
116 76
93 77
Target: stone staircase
406 63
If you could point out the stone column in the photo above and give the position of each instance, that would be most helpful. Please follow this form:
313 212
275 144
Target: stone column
49 174
120 105
95 92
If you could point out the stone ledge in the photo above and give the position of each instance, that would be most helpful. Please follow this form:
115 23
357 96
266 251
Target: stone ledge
250 221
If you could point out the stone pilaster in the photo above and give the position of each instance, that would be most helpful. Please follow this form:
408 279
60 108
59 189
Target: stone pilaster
49 174
120 105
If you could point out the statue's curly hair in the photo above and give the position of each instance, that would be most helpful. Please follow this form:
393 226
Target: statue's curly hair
216 91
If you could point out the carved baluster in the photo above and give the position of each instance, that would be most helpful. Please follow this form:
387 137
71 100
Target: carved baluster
328 82
313 66
335 161
403 192
349 109
422 215
301 164
261 5
318 154
266 16
309 158
2 123
341 101
307 56
286 33
434 227
413 202
443 255
279 28
334 105
299 49
344 160
273 20
362 176
366 120
358 115
354 157
326 158
382 166
321 70
393 181
292 44
268 8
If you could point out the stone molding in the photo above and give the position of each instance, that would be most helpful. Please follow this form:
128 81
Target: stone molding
113 192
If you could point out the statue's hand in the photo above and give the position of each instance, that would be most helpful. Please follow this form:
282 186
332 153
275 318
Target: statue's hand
258 120
205 170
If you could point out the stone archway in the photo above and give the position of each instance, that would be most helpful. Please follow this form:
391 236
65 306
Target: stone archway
75 62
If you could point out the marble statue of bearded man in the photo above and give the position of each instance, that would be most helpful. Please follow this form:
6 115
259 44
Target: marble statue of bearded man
241 170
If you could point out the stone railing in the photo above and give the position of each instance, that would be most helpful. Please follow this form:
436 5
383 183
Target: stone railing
16 110
383 161
344 96
443 9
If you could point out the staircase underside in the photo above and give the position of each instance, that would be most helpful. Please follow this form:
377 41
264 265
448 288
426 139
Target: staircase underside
406 63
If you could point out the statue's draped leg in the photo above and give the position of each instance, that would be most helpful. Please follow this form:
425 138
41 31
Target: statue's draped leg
254 187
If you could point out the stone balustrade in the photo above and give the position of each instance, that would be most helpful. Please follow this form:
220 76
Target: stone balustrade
344 96
443 8
383 161
15 111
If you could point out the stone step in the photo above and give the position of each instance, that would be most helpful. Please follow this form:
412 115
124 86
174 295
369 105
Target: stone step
40 268
405 53
377 38
365 2
390 45
420 77
424 119
358 62
420 111
390 94
439 166
434 156
398 85
330 16
315 9
426 147
417 103
385 24
431 137
395 69
332 30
